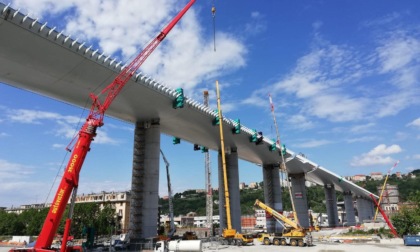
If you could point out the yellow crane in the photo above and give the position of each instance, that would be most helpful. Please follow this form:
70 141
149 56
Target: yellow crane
293 234
230 236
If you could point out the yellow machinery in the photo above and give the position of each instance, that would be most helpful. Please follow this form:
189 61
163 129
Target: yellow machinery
230 236
292 235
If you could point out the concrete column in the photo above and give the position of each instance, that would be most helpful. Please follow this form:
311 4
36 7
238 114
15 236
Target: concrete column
272 195
331 204
370 209
300 199
362 209
145 181
348 205
234 195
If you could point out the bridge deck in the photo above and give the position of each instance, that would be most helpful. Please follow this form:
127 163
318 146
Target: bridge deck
36 58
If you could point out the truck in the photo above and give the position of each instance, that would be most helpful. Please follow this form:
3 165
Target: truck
293 234
67 189
178 245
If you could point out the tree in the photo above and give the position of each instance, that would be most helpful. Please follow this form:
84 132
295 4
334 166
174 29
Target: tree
407 220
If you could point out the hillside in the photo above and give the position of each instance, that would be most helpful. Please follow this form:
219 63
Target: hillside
191 201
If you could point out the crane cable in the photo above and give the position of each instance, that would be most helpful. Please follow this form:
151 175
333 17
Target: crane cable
283 167
213 12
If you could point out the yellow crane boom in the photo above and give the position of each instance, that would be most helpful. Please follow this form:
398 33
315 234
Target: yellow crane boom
229 231
276 214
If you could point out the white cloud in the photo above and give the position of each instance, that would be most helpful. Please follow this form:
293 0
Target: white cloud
382 149
59 146
398 52
340 83
15 180
416 156
3 134
36 116
13 170
415 123
361 139
65 125
256 25
377 156
312 143
97 22
362 128
300 122
383 20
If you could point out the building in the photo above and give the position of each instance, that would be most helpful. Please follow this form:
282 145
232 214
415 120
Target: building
120 202
390 198
253 185
21 208
377 175
358 178
242 186
260 219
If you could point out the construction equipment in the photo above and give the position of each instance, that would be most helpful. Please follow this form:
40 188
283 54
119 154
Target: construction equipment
383 188
293 234
209 194
388 222
283 167
172 228
178 245
87 133
189 235
229 235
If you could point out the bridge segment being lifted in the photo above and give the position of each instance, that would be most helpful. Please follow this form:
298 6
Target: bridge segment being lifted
45 61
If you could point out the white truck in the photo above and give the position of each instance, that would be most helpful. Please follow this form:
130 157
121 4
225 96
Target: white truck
178 245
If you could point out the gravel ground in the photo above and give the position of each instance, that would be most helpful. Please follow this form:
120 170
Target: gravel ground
390 245
393 245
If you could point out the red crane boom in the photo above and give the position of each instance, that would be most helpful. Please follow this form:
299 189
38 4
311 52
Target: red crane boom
87 133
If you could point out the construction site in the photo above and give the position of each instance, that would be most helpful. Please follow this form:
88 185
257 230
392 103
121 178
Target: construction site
67 70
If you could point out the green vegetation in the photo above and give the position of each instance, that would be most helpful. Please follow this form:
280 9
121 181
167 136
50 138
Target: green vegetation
381 231
104 221
407 220
191 201
30 221
405 185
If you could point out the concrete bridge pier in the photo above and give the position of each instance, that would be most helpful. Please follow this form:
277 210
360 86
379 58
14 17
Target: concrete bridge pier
145 181
365 209
300 199
272 195
234 195
348 205
331 204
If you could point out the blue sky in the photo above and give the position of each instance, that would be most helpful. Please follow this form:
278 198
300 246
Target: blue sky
344 77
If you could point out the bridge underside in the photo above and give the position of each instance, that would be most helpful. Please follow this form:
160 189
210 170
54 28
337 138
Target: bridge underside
36 58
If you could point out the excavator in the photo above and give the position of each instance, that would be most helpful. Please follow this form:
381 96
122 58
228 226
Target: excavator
70 180
293 234
229 235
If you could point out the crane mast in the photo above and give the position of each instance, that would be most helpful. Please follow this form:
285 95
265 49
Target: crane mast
171 205
209 195
283 167
87 133
229 231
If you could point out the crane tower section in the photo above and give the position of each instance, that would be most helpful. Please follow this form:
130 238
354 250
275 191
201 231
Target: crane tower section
209 190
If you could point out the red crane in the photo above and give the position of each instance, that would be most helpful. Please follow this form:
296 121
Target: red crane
87 133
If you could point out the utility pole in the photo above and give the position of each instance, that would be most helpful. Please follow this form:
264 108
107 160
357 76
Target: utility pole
209 190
